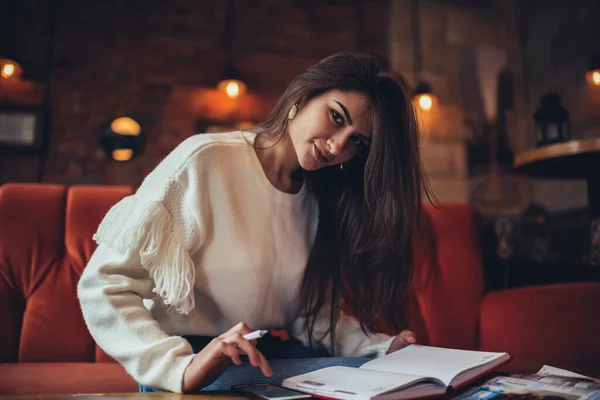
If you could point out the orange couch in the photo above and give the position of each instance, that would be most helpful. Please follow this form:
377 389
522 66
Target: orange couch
45 242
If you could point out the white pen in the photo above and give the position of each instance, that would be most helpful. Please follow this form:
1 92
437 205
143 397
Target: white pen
255 335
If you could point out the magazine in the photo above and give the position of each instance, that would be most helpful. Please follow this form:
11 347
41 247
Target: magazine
549 383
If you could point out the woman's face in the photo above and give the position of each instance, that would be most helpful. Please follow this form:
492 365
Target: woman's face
330 129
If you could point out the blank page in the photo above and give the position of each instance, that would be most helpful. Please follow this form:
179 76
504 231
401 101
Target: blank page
435 362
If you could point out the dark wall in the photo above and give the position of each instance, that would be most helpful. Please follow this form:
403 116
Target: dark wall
160 60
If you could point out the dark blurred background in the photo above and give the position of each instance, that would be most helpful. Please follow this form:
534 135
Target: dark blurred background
160 61
487 64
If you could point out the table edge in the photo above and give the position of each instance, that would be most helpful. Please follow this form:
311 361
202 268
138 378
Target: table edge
570 147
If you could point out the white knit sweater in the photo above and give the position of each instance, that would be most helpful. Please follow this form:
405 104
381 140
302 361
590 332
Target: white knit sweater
205 242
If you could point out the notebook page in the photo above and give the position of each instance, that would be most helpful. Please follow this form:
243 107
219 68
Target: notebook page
350 383
440 363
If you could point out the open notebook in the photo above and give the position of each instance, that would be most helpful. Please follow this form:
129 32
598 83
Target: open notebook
413 372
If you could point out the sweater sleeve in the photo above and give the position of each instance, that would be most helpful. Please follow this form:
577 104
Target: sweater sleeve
111 293
144 253
351 341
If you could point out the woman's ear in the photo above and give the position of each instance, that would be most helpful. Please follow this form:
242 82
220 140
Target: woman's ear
292 112
295 108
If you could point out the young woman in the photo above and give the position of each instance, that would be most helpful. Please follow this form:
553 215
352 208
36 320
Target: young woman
281 227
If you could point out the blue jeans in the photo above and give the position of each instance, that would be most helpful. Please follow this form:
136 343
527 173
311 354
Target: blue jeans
286 358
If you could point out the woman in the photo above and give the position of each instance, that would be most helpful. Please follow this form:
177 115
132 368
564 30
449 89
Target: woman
266 229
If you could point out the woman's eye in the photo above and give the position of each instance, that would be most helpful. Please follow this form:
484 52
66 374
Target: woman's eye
337 117
358 142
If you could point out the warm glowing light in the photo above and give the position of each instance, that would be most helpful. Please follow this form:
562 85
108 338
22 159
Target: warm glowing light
425 102
8 70
593 77
125 126
232 88
122 154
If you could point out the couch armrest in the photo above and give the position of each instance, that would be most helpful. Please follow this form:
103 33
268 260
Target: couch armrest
557 325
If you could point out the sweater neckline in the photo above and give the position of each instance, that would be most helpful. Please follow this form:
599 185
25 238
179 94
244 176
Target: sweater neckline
277 194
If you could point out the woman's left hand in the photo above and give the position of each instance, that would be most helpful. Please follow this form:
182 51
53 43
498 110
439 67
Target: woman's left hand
402 340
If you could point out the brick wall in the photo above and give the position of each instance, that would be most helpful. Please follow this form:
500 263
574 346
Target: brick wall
159 61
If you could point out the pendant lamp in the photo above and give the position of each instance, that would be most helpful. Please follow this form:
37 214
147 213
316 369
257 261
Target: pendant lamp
230 82
423 95
10 68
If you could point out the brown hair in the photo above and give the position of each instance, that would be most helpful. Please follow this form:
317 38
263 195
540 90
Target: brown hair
368 211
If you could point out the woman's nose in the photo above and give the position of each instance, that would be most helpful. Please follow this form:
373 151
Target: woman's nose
335 144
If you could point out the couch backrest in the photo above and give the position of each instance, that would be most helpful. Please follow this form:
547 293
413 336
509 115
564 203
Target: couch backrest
449 280
46 240
447 287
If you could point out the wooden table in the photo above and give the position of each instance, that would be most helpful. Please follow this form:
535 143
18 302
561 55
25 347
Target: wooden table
142 396
573 159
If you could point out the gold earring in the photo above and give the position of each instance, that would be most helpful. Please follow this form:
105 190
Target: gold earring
293 112
341 166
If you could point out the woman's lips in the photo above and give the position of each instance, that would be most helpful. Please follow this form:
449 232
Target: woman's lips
319 155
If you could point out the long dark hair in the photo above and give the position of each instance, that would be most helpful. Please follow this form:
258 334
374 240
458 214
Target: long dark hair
368 212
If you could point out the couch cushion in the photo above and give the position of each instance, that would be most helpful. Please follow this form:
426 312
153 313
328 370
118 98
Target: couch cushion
64 378
31 246
556 325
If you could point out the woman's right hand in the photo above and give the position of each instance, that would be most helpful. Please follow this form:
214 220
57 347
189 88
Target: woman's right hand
211 362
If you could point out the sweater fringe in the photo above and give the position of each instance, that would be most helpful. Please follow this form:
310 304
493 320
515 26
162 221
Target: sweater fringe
136 223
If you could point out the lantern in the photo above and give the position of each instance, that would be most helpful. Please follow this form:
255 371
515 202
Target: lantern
551 121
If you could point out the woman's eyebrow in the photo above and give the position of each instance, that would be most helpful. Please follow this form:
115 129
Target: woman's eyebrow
345 110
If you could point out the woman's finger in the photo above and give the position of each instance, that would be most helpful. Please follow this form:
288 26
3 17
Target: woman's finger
232 352
401 340
256 357
246 347
264 365
408 336
242 329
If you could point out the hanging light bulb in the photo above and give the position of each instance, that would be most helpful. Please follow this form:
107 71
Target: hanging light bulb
10 69
425 101
232 89
424 97
592 76
231 83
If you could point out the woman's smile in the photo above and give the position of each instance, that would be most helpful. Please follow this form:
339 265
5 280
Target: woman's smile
320 155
